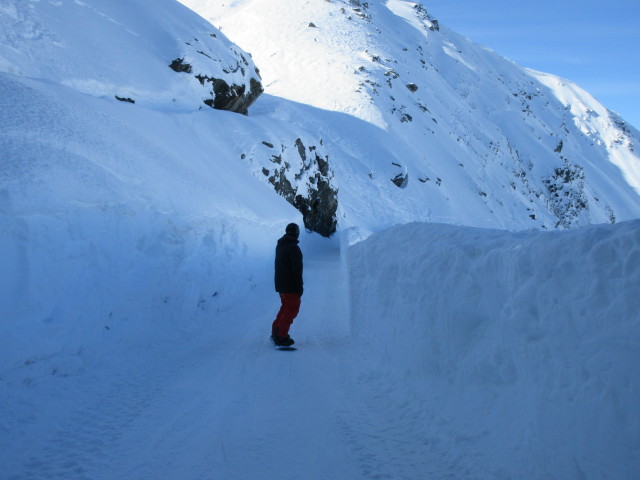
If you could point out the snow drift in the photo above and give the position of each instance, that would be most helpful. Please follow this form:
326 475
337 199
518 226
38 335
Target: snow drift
524 345
117 223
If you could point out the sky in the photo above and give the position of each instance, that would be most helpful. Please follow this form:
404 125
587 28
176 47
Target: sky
592 43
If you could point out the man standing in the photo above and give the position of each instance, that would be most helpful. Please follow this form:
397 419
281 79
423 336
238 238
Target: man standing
288 280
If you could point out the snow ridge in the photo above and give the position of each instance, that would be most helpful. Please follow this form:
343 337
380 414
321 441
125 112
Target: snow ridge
531 337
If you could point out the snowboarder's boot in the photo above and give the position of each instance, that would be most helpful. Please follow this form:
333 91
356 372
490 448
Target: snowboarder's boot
282 341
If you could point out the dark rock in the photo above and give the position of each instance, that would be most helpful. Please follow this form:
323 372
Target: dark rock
301 151
235 87
178 65
422 14
124 99
401 179
323 166
624 136
319 207
566 197
319 203
231 97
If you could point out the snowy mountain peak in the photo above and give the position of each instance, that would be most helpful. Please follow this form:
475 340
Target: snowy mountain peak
468 136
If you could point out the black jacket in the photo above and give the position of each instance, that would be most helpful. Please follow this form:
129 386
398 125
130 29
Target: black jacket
288 276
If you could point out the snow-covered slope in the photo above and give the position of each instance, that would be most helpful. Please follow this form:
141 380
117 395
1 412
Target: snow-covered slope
118 221
136 246
111 50
468 136
515 353
113 215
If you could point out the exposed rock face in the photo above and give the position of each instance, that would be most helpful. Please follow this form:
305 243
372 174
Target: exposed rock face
234 98
401 179
624 137
503 150
178 65
302 175
232 83
428 20
125 99
566 194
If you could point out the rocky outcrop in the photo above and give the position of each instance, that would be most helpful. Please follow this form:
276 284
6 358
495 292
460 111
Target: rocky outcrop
566 194
401 178
234 98
230 79
427 20
303 176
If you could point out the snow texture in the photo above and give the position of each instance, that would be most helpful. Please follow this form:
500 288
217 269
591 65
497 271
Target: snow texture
111 50
504 355
477 139
137 242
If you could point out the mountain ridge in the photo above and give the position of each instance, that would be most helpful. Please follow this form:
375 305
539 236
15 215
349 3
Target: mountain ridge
536 150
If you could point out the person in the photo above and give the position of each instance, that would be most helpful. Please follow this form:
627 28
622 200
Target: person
288 283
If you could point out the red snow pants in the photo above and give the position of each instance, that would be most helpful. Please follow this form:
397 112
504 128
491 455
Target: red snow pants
288 311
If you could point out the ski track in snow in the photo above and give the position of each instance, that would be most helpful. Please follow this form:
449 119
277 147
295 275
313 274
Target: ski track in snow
177 409
216 409
345 405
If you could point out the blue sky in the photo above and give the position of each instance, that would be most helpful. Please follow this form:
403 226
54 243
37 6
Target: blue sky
595 44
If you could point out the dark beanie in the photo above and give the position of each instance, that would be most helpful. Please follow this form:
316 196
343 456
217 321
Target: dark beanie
293 229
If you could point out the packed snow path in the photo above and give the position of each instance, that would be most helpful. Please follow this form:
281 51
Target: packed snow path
229 406
226 406
455 353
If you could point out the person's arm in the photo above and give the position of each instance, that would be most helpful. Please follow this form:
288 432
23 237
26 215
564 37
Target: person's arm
296 267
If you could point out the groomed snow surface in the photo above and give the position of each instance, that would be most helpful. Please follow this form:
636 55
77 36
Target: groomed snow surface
425 351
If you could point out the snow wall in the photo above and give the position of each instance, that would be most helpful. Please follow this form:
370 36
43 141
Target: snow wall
522 346
119 227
